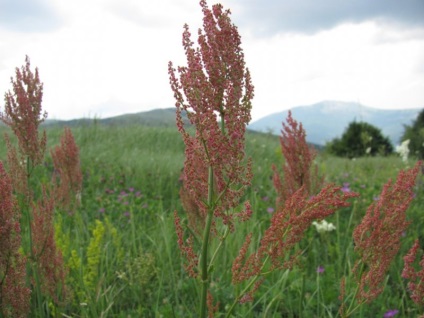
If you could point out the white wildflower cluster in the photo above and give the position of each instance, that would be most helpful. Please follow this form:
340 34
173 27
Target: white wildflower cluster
403 150
323 226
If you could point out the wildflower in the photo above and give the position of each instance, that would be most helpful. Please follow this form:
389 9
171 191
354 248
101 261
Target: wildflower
14 295
403 150
323 226
416 278
94 252
22 113
215 84
216 144
45 252
299 169
215 91
270 210
68 179
346 187
287 228
377 237
320 269
391 313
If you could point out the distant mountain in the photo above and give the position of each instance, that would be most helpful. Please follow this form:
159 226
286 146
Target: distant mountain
157 117
327 120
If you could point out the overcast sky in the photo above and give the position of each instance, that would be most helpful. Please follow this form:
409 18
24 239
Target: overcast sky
108 57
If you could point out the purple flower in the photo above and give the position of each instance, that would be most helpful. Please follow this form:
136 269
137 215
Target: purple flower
127 214
391 313
270 210
320 269
102 210
345 187
265 198
131 189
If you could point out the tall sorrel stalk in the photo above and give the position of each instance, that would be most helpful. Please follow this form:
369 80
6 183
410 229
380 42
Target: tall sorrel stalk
36 201
218 93
299 169
378 240
302 198
214 92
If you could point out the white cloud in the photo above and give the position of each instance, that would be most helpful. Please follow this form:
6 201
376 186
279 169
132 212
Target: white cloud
118 51
343 63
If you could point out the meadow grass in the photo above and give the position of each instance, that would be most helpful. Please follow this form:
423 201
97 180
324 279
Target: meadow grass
120 244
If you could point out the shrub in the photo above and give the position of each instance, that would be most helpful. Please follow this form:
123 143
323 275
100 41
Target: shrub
415 134
360 139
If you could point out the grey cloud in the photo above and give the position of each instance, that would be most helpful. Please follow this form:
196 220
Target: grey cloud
311 16
27 16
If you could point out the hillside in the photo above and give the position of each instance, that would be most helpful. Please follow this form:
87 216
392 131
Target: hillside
322 121
327 120
161 117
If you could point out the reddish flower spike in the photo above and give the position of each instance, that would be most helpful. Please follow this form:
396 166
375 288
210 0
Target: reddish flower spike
14 295
299 169
377 237
415 277
22 113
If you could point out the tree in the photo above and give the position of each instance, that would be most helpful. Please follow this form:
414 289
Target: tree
415 134
360 139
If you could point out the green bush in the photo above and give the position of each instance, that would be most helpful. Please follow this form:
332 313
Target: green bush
358 140
415 134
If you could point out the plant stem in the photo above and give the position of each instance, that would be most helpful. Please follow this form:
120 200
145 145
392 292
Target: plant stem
302 292
255 278
32 258
205 245
318 295
349 310
227 231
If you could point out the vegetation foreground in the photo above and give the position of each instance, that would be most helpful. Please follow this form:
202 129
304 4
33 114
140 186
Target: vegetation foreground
123 233
205 219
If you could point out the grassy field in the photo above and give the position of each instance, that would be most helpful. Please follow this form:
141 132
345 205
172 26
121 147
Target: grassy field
120 244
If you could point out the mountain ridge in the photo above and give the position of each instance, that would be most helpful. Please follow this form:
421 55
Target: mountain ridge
327 120
322 121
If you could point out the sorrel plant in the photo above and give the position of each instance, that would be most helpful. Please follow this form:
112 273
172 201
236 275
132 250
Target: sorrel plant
218 93
214 90
378 237
36 201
